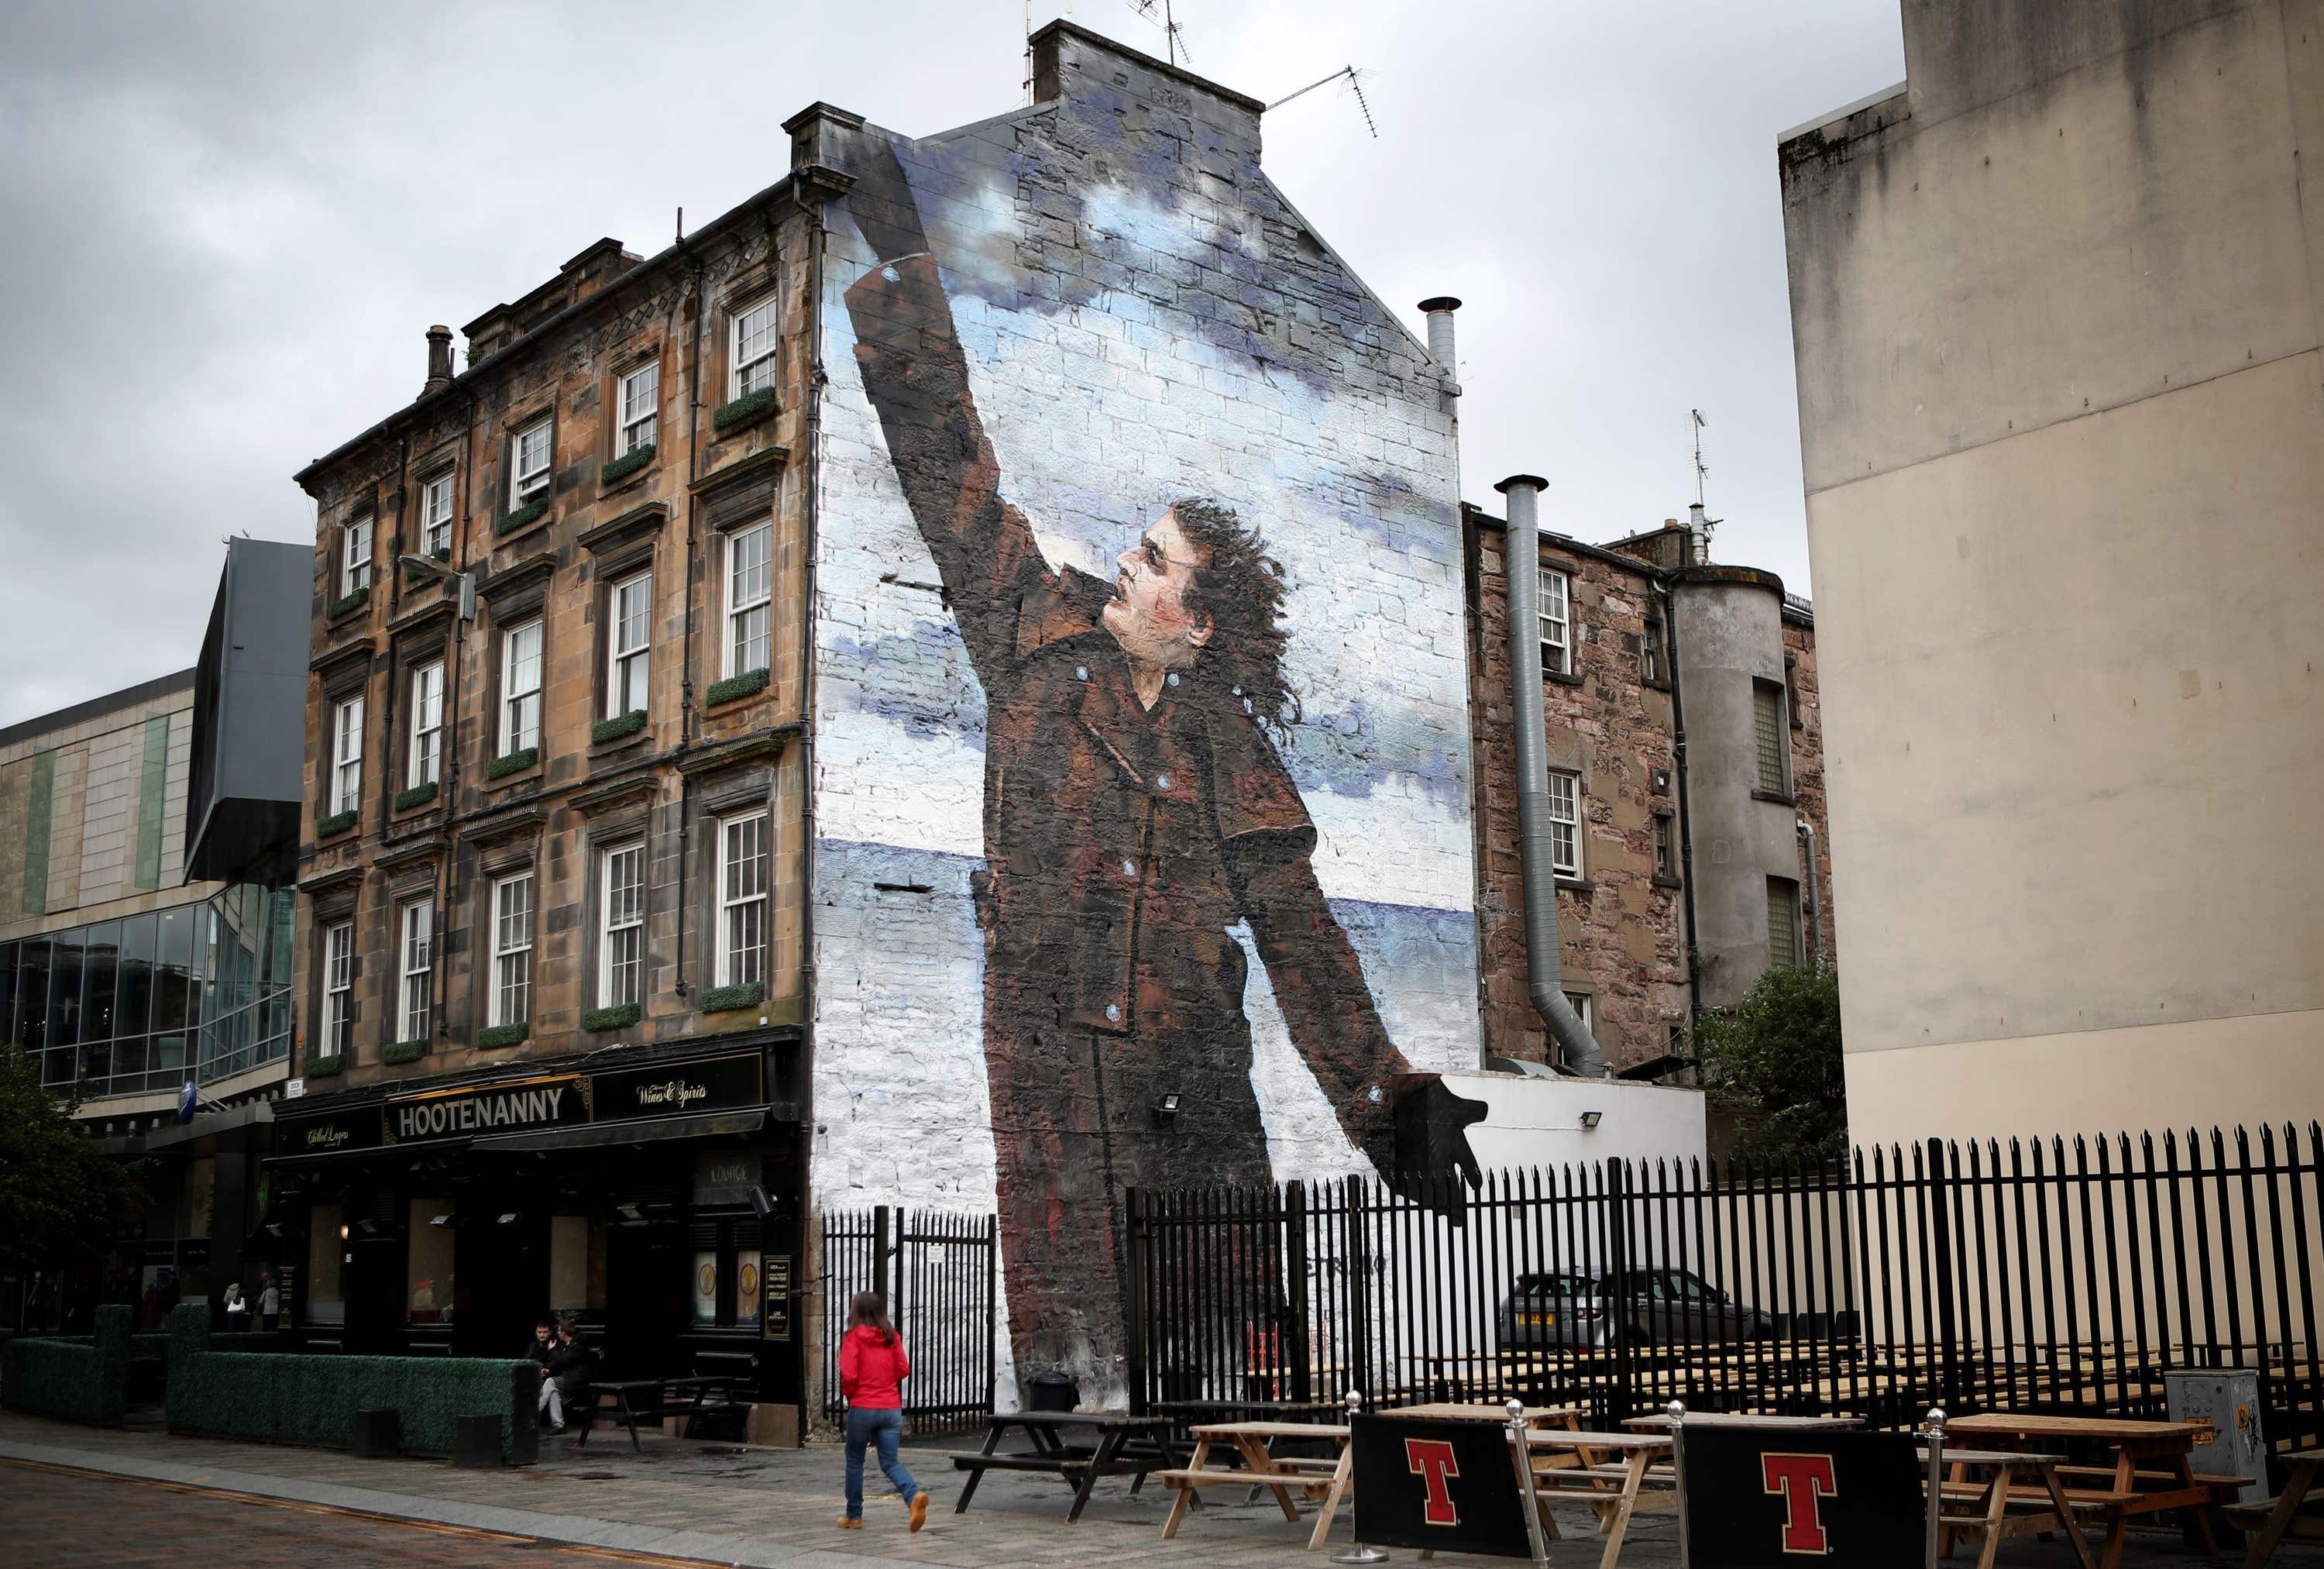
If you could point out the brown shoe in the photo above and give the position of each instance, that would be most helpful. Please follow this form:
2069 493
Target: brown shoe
919 1511
846 1524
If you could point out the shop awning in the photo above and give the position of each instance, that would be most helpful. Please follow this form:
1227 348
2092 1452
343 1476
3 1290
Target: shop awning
701 1125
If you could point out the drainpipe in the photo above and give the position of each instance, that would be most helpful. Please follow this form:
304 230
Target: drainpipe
1686 805
1815 921
1577 1052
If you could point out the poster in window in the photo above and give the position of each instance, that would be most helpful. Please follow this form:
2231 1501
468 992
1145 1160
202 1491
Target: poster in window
746 1290
706 1287
775 1291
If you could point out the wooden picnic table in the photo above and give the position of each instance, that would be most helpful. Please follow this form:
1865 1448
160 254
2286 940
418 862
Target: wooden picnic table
2127 1493
1739 1419
1615 1491
1568 1418
1126 1445
2017 1495
1253 1443
2280 1516
651 1398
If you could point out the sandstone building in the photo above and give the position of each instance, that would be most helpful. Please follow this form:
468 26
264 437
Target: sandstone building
2055 306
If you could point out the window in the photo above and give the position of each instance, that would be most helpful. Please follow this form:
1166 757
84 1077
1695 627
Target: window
1556 633
528 464
1580 1002
418 926
1767 733
620 949
1565 824
338 988
1666 865
512 1001
424 763
435 513
1650 654
640 402
346 755
753 358
1783 923
743 899
749 610
630 621
354 555
521 687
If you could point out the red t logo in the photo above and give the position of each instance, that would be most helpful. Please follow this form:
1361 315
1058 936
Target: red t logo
1432 1459
1804 1480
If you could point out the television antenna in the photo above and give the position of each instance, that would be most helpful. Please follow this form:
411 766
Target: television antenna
1355 83
1701 472
1174 39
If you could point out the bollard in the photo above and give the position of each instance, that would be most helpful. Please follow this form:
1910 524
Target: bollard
1356 1552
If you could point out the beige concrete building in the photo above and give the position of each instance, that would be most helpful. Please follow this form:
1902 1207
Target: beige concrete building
2055 307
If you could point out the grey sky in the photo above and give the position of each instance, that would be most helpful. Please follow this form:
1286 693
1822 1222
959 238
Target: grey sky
228 226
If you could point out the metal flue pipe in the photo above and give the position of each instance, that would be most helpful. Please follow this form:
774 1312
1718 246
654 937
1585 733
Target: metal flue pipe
1577 1051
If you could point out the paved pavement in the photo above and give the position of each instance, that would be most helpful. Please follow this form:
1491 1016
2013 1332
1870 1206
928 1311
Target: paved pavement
728 1504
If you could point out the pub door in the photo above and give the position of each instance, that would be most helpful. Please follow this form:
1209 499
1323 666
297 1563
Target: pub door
648 1297
503 1275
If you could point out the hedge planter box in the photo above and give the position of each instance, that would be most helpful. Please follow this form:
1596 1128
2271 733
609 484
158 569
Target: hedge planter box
619 1017
348 606
512 762
628 464
313 1400
734 688
337 823
742 411
75 1381
326 1066
403 1051
524 517
501 1035
419 795
617 728
734 999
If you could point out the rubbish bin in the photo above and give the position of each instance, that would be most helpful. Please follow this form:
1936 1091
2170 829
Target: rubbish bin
1053 1392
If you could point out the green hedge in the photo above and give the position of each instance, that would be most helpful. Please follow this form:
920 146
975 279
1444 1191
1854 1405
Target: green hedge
323 1065
620 1016
313 1400
337 823
523 517
742 410
502 1035
619 725
510 762
404 1050
734 688
628 464
341 606
729 999
74 1381
419 795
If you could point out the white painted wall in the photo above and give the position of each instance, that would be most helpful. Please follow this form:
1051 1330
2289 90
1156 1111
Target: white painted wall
1538 1123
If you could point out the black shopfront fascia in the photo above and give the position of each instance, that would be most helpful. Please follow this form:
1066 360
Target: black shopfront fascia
656 1161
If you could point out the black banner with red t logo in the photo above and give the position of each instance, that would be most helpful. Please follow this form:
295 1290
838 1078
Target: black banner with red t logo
1761 1499
1448 1485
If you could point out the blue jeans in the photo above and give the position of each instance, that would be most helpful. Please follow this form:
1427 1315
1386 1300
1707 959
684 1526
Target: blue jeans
865 1428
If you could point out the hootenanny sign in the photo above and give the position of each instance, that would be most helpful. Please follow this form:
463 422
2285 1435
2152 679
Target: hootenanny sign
498 1108
1762 1499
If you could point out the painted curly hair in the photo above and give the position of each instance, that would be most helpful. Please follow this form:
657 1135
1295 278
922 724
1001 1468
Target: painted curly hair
1241 588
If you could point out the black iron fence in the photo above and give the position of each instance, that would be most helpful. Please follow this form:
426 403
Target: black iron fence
937 1272
2060 1277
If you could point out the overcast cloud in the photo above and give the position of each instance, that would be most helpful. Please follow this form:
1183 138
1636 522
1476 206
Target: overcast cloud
228 226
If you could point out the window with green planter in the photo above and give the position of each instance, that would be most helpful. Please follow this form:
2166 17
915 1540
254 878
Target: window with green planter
499 1036
326 1066
733 689
628 464
512 762
353 602
337 823
442 553
734 999
742 410
405 1051
619 725
620 1016
524 517
419 795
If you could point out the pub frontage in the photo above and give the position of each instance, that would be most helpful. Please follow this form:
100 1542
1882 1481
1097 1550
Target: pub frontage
651 1192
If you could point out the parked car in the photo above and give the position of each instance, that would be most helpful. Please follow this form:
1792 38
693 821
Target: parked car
1665 1306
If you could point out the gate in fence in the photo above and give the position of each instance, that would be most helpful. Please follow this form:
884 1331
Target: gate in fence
2057 1277
938 1272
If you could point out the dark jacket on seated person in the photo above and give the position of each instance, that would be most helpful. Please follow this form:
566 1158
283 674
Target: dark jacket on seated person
569 1362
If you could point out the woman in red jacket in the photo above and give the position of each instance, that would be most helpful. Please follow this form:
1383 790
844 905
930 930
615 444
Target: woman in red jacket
872 1368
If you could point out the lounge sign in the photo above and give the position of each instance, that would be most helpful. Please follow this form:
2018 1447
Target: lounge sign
503 1108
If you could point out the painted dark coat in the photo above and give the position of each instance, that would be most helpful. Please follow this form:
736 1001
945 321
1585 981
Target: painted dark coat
1122 845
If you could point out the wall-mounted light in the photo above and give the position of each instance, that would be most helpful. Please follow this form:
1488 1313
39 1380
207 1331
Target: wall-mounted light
1166 1110
1590 1120
760 1203
442 1220
629 1212
343 1231
511 1218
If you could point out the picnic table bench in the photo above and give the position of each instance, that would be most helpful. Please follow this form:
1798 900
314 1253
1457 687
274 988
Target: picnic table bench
652 1399
1615 1489
1324 1477
2280 1516
2128 1496
1126 1445
2018 1495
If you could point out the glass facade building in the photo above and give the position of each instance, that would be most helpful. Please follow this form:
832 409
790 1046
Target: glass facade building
149 1001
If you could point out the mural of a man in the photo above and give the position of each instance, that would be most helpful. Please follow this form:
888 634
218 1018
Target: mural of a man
1135 809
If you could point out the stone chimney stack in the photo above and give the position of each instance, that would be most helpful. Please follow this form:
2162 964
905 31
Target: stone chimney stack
439 359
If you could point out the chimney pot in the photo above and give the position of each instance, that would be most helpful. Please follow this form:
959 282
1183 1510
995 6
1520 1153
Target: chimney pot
1439 311
439 359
